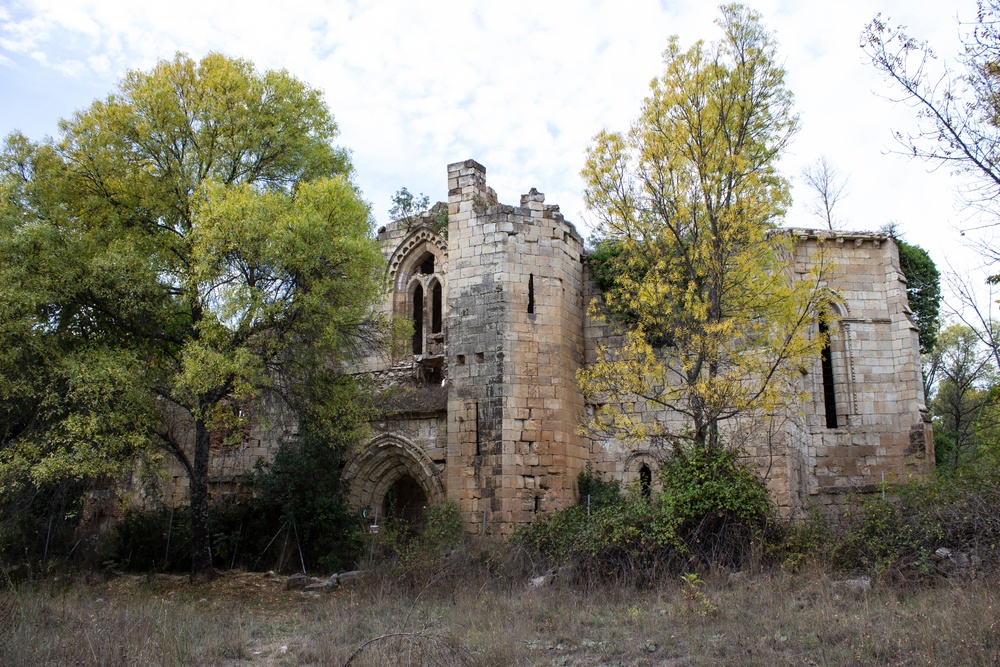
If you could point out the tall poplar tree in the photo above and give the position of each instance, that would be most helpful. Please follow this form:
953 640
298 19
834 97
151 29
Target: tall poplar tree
715 326
191 245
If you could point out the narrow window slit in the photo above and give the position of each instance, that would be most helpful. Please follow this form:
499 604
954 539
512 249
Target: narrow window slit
829 389
531 293
478 443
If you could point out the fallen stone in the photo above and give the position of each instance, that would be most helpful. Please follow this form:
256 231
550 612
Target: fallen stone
861 585
347 578
326 585
298 581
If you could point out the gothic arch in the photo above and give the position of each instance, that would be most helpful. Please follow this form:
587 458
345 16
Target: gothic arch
385 461
407 255
416 275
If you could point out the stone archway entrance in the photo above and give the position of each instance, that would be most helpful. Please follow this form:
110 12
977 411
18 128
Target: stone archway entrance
394 477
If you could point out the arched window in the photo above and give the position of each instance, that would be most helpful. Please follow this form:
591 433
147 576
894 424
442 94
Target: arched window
646 481
418 319
829 388
419 264
436 308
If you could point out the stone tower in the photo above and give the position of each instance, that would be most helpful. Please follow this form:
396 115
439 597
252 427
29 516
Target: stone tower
515 339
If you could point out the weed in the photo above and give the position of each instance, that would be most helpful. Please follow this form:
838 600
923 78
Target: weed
696 600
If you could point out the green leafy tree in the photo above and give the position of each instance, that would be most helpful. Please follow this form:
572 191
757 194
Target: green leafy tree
964 405
410 208
923 291
716 326
189 246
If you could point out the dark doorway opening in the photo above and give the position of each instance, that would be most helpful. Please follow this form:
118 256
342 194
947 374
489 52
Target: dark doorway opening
406 500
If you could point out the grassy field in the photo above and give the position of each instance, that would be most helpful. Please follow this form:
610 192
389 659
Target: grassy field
250 619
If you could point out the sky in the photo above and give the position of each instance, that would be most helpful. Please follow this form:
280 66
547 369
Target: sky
521 86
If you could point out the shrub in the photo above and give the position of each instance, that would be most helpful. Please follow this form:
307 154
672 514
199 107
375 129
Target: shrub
900 533
297 515
301 490
38 522
711 511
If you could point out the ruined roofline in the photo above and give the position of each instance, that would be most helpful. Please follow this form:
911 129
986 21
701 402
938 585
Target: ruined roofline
802 234
806 233
471 174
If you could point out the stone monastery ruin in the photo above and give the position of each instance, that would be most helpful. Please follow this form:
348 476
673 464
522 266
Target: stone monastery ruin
489 411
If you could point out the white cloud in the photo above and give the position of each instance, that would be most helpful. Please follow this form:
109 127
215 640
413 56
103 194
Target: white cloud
417 85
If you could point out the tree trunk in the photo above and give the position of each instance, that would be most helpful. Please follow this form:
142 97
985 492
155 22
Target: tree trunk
201 537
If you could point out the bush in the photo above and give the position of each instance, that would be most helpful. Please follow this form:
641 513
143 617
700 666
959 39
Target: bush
297 515
900 533
712 510
301 490
38 522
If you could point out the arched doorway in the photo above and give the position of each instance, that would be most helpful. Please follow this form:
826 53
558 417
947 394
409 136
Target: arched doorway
393 477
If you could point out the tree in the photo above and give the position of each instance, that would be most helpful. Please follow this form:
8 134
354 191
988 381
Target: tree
959 111
923 291
410 208
191 246
717 327
964 405
828 188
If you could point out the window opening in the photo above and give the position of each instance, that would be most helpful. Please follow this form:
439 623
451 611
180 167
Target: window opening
427 265
531 293
418 320
829 393
538 504
646 481
436 308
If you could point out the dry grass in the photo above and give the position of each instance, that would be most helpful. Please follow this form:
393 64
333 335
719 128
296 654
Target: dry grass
249 619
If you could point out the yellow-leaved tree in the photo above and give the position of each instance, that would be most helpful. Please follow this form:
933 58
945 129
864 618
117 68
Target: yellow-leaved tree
698 279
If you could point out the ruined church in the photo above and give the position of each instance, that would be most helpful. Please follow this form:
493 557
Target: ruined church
487 411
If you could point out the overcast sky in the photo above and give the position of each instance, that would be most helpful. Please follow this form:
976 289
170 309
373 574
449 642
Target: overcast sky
520 86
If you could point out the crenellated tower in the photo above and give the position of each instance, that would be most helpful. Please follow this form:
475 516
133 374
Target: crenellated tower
515 338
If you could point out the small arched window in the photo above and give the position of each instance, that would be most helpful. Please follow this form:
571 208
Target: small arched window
646 481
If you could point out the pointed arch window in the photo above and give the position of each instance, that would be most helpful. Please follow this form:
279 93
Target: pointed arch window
436 315
829 386
420 299
418 319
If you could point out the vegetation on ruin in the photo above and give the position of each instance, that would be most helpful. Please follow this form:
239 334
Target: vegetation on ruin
709 511
689 198
187 248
